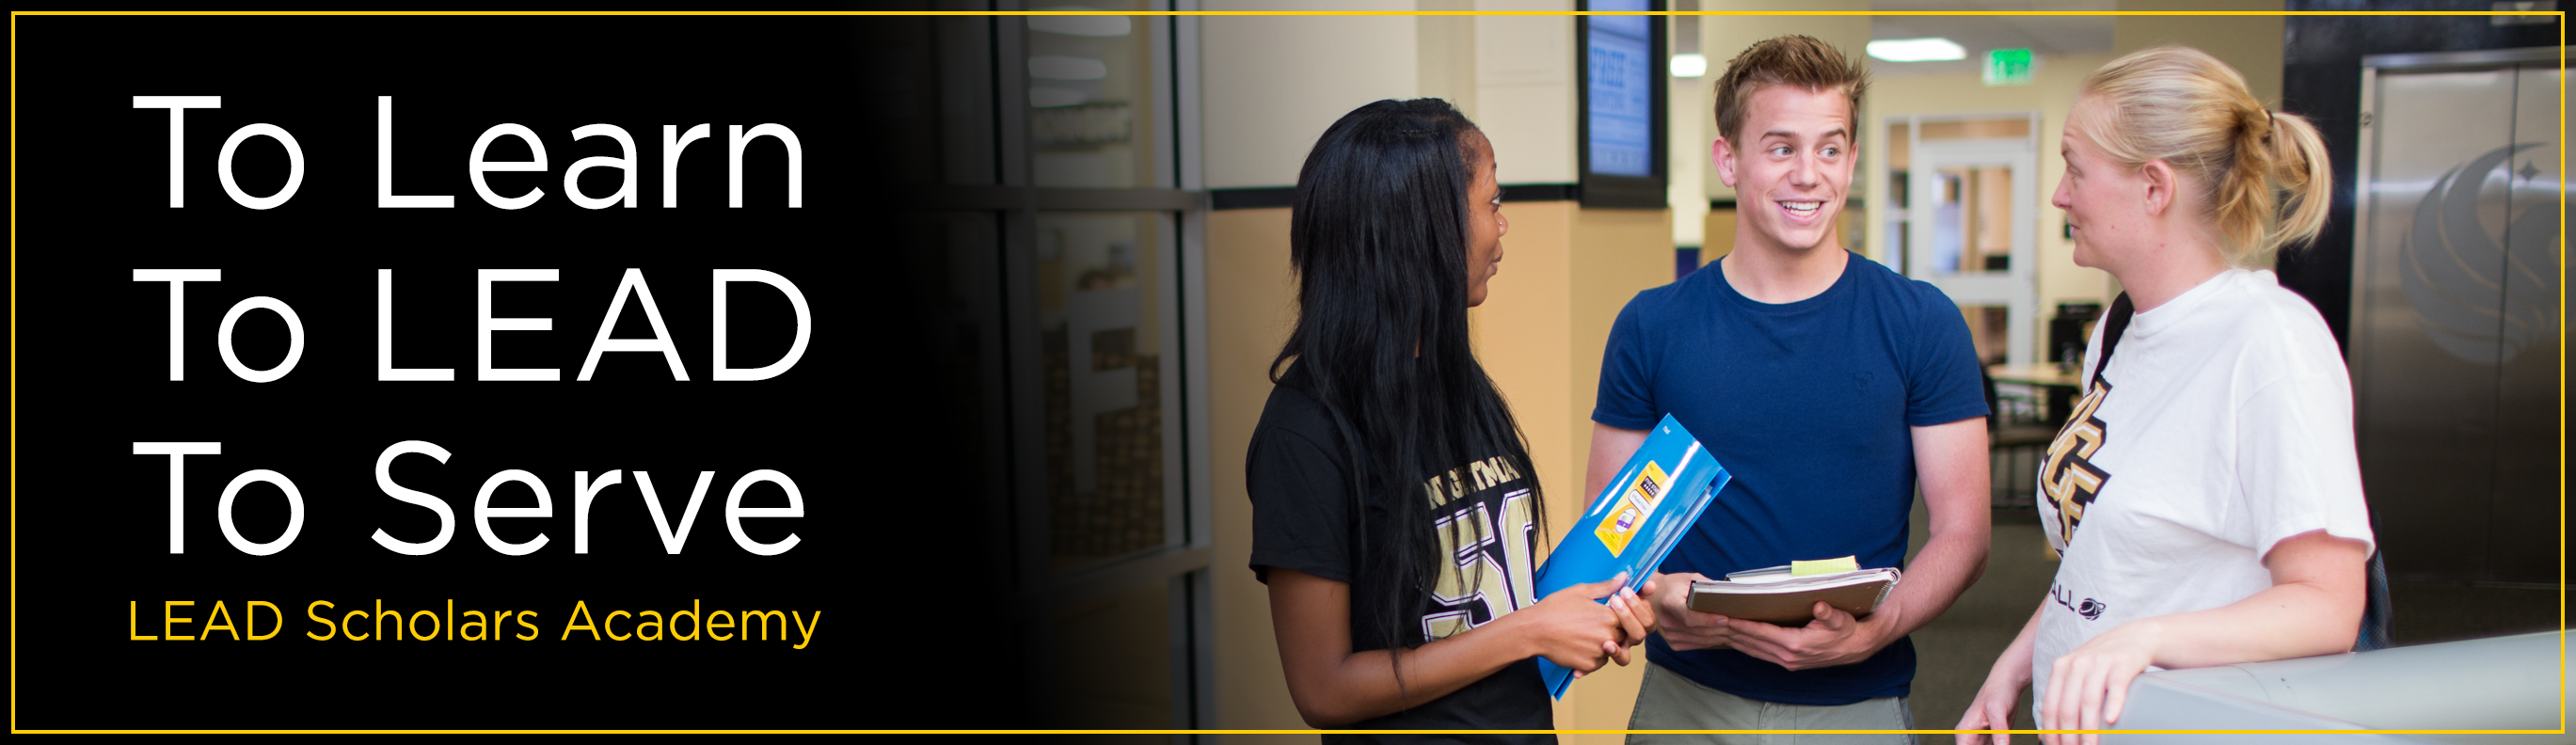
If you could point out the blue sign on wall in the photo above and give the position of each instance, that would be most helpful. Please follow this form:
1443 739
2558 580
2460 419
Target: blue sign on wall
1621 96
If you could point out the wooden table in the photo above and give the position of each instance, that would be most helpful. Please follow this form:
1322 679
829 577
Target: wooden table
2061 387
2034 375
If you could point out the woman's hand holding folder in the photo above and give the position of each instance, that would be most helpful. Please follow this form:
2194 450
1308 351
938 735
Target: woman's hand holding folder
1634 611
1568 627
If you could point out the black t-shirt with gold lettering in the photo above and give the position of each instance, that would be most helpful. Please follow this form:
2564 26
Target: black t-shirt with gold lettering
1297 473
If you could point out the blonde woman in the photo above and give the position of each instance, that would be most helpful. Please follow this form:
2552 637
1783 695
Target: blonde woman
2205 494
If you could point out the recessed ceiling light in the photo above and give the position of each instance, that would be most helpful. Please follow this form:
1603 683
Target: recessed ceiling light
1689 65
1934 49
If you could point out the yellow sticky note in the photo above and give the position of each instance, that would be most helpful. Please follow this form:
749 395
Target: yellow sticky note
1824 566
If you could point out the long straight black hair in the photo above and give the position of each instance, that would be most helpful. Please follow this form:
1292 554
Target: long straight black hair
1378 238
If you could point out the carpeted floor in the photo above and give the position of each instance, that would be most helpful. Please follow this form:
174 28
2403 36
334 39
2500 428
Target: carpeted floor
1953 653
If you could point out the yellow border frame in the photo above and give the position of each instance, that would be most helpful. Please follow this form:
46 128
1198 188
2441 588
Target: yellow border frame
2562 349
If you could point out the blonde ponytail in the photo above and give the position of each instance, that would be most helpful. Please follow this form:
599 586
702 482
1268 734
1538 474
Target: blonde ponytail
2186 108
2302 169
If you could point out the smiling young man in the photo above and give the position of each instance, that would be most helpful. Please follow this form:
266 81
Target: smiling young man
1829 386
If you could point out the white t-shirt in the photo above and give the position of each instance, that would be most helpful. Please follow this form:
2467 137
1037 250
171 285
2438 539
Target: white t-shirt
2223 425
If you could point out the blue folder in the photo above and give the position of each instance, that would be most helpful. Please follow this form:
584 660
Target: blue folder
1634 523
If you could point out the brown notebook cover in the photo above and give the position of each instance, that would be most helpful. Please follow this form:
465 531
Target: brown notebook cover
1786 603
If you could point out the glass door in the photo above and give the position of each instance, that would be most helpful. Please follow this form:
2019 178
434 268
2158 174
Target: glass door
1971 230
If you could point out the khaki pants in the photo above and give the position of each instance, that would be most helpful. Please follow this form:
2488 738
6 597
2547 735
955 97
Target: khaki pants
1667 700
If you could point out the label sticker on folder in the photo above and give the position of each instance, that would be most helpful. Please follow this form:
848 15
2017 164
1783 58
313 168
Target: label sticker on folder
1634 507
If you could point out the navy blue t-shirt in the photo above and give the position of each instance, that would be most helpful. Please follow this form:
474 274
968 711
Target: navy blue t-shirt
1809 405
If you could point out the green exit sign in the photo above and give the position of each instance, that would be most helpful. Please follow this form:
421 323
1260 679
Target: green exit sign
2008 67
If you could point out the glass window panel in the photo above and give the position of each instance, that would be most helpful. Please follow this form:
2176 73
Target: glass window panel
1091 98
1102 290
1972 220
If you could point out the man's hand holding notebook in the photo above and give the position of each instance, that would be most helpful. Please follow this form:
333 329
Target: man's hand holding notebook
1787 595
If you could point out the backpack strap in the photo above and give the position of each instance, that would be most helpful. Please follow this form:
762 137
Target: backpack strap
2112 326
2378 613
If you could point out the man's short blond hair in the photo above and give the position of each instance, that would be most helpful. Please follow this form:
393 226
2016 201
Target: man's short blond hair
1802 61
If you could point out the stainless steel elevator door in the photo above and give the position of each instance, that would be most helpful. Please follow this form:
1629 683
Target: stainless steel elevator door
2454 338
2525 517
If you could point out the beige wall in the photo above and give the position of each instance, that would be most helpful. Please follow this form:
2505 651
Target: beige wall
2250 43
1687 159
1271 84
1525 90
1251 307
1566 273
1719 226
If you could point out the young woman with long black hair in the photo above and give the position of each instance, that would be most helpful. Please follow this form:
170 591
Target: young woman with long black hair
1394 515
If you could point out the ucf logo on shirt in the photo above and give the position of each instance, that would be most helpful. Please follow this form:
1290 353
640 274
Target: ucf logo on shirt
2068 477
1489 545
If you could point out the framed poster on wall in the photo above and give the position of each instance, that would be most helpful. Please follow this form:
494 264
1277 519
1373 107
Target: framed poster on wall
1621 97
